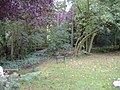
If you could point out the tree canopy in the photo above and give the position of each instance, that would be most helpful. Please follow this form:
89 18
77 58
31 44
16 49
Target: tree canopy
30 25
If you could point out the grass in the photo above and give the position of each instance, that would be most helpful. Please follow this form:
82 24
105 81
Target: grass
94 72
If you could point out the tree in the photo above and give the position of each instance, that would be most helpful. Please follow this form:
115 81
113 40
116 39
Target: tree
20 21
114 25
85 24
92 16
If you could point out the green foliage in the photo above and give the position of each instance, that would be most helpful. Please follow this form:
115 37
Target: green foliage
1 84
58 38
15 80
109 12
106 49
33 59
15 85
18 40
9 83
97 15
86 25
60 5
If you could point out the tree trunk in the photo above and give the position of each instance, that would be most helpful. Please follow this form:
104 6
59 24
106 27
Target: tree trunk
12 45
115 41
72 32
5 47
79 46
91 42
87 44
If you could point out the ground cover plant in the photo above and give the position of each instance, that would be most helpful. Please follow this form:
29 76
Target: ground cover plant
94 72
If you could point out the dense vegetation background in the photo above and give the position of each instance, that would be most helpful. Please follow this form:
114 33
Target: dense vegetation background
42 27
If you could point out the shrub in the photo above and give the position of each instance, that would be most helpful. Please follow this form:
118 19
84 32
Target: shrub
58 39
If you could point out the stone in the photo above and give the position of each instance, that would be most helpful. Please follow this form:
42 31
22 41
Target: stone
1 71
117 83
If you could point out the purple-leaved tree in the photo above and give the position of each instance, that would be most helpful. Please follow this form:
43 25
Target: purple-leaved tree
37 12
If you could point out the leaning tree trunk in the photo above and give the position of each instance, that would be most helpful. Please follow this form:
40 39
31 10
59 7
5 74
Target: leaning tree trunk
91 42
80 44
87 42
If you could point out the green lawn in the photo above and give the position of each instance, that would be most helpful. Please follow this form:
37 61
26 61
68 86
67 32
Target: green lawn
94 72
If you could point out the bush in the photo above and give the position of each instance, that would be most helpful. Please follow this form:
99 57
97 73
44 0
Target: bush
58 39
